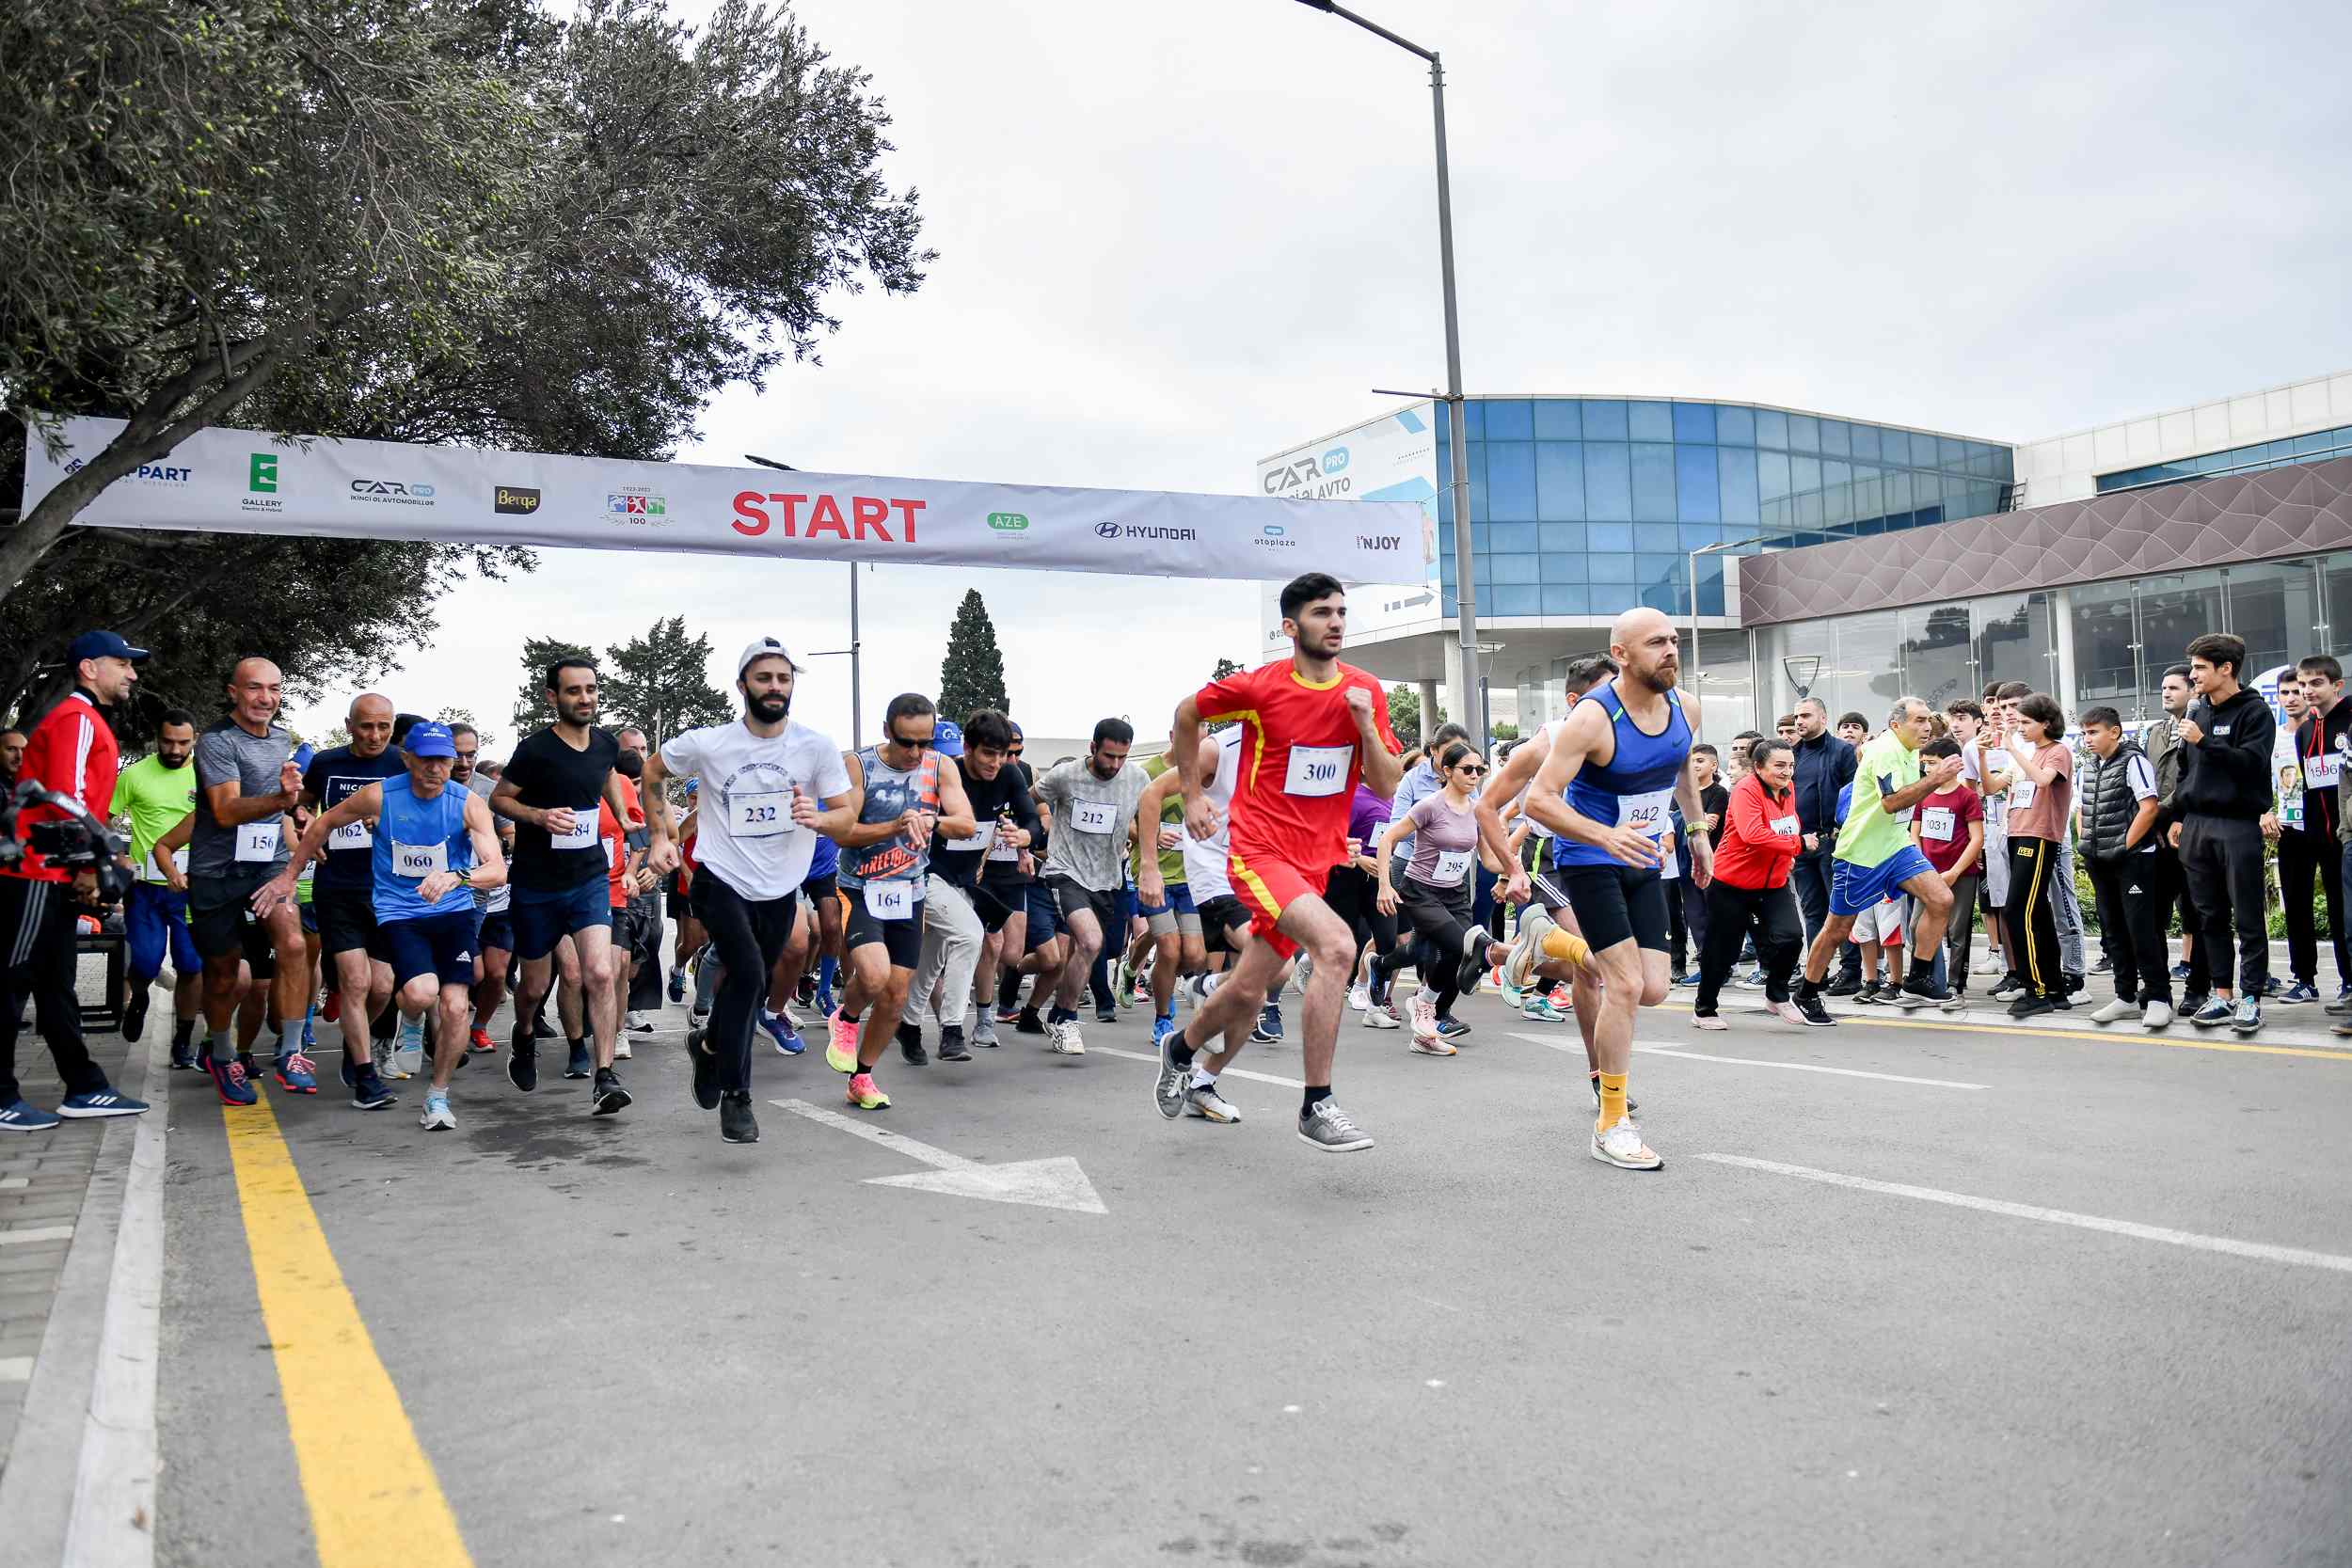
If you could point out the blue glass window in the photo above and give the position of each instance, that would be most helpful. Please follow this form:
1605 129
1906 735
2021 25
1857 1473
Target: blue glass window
1474 418
1771 428
1698 536
1565 601
1898 492
1559 419
1651 421
1479 545
1870 495
1950 453
1511 480
1653 481
1739 485
1697 499
1835 439
1568 537
1604 421
1805 433
1516 568
1561 566
1922 451
1512 538
1866 443
1558 478
1711 597
1510 419
1734 427
1607 478
1657 537
1695 421
1608 538
1804 474
1772 473
1652 570
1612 568
1511 600
1476 454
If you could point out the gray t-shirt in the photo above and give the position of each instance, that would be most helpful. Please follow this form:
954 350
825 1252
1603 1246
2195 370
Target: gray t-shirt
1445 843
1094 820
228 750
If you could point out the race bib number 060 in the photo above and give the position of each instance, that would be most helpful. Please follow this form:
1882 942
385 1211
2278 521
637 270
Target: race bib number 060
419 859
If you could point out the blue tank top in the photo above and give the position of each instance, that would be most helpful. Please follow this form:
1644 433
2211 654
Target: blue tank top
892 792
419 837
1636 784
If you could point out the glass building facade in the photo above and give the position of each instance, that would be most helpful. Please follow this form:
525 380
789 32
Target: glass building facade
2316 447
1588 506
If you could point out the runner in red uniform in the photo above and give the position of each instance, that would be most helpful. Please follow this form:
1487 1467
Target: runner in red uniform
1314 728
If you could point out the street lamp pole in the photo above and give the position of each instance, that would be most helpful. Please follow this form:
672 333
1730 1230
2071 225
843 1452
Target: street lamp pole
1472 694
857 700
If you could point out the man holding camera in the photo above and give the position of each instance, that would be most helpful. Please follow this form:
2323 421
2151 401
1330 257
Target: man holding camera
71 752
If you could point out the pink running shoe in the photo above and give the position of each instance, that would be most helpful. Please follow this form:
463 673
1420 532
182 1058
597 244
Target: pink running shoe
865 1094
841 1045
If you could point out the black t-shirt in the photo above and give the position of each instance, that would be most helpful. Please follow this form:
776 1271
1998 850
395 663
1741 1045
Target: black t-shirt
1004 798
548 774
334 777
1008 873
1715 801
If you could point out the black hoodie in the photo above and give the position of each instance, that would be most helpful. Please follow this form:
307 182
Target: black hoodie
2228 772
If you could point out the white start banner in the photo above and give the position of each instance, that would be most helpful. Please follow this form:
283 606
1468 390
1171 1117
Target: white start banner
243 481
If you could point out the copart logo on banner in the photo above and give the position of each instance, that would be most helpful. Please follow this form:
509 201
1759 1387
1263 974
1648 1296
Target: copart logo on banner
260 483
147 474
514 501
391 492
1143 532
637 507
1312 478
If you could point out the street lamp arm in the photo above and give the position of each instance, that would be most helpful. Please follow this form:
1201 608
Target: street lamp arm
1371 26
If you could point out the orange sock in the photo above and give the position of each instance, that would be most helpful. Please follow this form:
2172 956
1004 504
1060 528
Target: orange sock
1611 1099
1567 946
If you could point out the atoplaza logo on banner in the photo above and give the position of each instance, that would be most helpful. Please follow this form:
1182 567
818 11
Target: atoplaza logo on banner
637 507
260 483
391 492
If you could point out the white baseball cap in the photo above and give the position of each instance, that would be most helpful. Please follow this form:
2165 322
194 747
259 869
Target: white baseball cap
766 647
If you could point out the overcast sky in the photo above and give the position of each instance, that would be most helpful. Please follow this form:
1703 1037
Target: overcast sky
1176 239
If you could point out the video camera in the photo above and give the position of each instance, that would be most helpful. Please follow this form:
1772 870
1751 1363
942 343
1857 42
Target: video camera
77 841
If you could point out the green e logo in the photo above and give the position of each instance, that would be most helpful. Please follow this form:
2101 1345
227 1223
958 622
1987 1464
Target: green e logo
264 473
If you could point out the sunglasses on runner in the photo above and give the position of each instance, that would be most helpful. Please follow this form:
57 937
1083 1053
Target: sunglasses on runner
921 745
1473 769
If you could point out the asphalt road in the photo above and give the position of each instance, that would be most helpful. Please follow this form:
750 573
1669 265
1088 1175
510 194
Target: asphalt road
627 1342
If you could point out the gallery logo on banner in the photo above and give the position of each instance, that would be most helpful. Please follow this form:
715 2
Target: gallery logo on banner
260 483
514 501
637 507
391 492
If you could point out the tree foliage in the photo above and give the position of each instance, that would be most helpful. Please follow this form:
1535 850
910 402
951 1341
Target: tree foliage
1405 715
531 700
661 683
1225 668
972 676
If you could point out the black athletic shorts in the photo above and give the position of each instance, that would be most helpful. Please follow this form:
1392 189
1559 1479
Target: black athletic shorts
1220 917
903 938
679 905
347 921
822 888
221 922
988 902
498 930
1071 896
1614 902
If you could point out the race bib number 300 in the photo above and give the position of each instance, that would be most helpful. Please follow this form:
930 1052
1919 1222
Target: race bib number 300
1318 770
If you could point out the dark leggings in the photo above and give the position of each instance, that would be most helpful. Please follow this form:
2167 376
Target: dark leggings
1441 922
1354 895
748 936
1732 913
2031 918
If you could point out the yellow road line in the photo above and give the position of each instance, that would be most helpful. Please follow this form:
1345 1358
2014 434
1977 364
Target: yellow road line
2187 1043
374 1502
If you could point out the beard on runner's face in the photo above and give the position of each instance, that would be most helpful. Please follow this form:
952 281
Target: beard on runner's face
767 706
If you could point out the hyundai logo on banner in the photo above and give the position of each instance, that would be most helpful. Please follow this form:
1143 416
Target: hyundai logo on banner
1106 530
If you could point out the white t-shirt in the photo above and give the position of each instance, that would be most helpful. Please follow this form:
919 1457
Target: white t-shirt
1995 806
1204 862
745 834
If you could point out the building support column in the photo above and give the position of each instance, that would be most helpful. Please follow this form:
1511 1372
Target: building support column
1428 704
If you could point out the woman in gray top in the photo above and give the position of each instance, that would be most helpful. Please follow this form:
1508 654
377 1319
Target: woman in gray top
1450 949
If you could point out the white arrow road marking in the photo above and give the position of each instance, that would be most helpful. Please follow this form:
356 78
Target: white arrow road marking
2052 1216
1054 1183
1577 1045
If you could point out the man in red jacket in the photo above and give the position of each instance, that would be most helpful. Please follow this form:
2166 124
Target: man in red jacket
72 750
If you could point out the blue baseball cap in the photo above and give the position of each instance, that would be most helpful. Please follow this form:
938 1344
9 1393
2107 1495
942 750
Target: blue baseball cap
692 786
947 738
101 644
430 738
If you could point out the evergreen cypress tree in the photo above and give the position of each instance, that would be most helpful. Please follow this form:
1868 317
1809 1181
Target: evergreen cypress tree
972 676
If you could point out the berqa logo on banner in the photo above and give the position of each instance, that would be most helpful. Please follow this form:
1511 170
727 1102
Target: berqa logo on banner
391 492
514 501
637 507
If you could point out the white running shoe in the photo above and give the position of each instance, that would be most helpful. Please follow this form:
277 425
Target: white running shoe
1787 1012
1424 1015
1708 1021
437 1116
1433 1045
1360 999
2157 1015
1381 1017
620 1048
639 1023
1062 1040
1623 1148
1527 948
2116 1011
1202 1100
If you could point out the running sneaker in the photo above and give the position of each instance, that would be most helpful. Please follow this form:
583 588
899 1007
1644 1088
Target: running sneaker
1812 1010
2299 995
1123 983
610 1098
706 1071
1424 1011
1472 970
779 1027
1564 997
23 1115
1752 980
1787 1012
1063 1039
621 1052
1708 1021
2180 969
1202 1100
523 1062
865 1094
951 1046
842 1042
332 1008
1433 1045
2117 1011
911 1044
1526 949
1360 998
1867 994
638 1023
1268 1029
578 1064
134 1015
1542 1010
984 1031
677 982
736 1124
368 1091
296 1073
1623 1148
437 1116
1511 994
2248 1017
2214 1013
479 1043
183 1056
1382 1016
228 1079
1007 1014
1173 1085
1921 990
98 1104
1163 1025
2008 988
2029 1006
1452 1028
2156 1014
1029 1023
1326 1127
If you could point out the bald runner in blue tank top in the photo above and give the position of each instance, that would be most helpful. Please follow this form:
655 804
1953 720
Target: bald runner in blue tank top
1634 788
